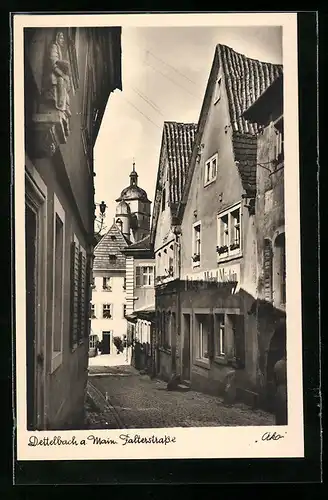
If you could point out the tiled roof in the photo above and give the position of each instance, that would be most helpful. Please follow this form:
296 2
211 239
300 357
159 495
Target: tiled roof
245 149
142 244
111 244
245 80
178 140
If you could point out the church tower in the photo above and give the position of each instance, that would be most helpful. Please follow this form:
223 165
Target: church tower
133 210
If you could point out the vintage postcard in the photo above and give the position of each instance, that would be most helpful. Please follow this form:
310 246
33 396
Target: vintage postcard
157 236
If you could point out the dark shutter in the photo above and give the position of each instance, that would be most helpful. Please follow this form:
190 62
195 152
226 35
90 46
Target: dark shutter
74 294
89 279
239 339
138 276
267 269
82 297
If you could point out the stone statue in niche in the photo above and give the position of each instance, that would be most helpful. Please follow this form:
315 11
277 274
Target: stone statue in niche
57 83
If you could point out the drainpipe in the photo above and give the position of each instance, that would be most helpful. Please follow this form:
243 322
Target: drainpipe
178 312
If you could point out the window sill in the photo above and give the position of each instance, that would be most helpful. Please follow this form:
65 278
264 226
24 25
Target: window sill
221 360
195 265
208 183
227 258
57 358
203 363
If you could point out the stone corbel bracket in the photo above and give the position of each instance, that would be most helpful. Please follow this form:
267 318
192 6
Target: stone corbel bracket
50 129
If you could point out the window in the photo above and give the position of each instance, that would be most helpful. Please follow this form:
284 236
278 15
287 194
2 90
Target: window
113 237
144 276
196 251
211 167
165 330
219 339
93 284
107 311
218 86
163 203
112 257
279 142
279 271
124 310
93 341
107 284
58 284
202 336
93 311
229 233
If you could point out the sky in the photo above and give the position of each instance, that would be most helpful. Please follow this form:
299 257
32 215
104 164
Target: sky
164 76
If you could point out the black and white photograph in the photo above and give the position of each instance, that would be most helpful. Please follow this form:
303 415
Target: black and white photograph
157 234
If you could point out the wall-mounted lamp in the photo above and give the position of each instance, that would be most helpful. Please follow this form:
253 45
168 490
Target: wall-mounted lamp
102 213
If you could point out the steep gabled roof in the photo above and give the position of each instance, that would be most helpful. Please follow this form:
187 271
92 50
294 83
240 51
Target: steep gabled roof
179 141
111 244
142 248
245 80
177 144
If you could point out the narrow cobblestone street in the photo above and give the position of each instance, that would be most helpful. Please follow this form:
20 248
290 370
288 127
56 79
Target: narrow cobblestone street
121 397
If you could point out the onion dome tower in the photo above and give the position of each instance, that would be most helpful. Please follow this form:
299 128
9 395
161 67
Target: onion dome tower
139 209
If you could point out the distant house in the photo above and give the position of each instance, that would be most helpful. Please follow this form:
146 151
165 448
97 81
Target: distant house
69 76
108 304
140 295
123 262
269 307
219 238
175 153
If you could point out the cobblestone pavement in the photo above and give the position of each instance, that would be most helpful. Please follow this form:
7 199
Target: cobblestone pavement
120 397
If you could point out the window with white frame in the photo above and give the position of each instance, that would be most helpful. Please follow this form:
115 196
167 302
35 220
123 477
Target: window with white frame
58 283
107 311
124 310
219 336
93 311
229 233
202 324
210 172
196 243
107 284
144 276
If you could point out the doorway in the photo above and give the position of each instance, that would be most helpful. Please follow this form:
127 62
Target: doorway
106 342
186 347
31 290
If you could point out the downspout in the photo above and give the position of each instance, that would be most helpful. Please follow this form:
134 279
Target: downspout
178 312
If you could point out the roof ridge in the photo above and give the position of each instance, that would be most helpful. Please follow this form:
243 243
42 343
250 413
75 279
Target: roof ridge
222 45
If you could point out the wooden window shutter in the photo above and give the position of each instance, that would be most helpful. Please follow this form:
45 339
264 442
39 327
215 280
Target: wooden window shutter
267 270
89 279
82 297
74 294
239 340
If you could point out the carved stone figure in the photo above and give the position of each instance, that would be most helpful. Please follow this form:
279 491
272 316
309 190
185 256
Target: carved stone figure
57 83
